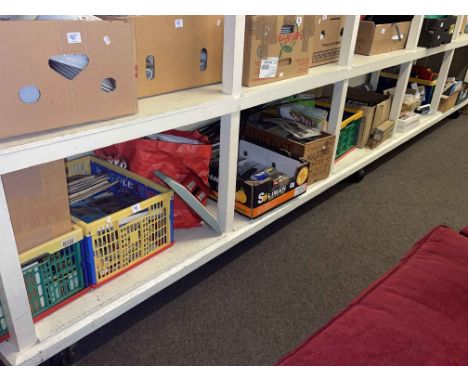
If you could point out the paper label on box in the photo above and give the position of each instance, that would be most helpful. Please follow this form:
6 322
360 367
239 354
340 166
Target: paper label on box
300 189
107 40
268 67
324 17
136 208
299 20
396 37
74 37
179 23
382 30
68 242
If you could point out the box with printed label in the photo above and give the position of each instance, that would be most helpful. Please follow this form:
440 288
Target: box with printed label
254 198
276 48
63 72
37 199
176 52
375 38
326 41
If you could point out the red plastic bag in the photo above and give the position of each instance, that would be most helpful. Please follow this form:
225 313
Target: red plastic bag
177 160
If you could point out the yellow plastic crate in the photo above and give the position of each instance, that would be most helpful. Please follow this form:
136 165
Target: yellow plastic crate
122 240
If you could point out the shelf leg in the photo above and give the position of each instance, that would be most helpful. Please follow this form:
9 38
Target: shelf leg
229 146
336 112
348 43
13 293
443 73
233 53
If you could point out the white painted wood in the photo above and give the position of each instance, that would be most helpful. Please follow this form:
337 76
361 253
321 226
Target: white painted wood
193 248
374 80
443 73
229 146
233 53
402 84
348 43
414 32
458 25
13 294
335 119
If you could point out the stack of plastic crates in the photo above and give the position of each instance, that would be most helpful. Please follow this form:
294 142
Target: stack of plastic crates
53 275
350 126
122 240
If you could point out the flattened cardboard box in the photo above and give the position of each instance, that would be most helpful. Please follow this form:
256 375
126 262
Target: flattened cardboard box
375 38
37 199
176 52
276 48
27 47
326 43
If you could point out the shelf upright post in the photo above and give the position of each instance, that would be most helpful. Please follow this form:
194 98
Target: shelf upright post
234 27
340 88
13 293
441 78
458 25
405 69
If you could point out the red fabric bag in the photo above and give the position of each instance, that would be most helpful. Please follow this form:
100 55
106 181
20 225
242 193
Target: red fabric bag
177 160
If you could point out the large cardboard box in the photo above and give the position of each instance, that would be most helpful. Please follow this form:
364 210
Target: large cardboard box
326 41
318 152
276 48
176 52
375 38
37 200
254 198
51 100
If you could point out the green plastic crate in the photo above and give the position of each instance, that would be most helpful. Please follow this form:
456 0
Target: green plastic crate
348 137
50 280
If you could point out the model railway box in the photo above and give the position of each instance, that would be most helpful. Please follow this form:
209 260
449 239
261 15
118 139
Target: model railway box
254 198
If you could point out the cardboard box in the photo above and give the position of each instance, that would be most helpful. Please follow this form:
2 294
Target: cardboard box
50 99
319 152
375 38
437 31
374 106
276 48
254 198
381 134
37 199
326 41
447 102
170 51
463 95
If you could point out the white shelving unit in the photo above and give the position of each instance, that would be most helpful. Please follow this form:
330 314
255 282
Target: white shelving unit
31 343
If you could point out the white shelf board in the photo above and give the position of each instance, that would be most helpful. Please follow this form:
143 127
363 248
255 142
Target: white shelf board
155 114
192 248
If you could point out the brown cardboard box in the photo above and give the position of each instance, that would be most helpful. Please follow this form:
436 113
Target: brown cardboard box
447 102
176 44
380 38
326 43
37 200
318 153
276 48
26 49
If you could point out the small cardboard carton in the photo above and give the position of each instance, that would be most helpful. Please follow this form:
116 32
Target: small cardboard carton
318 152
176 52
326 41
254 198
276 48
375 38
447 102
37 199
437 31
39 92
